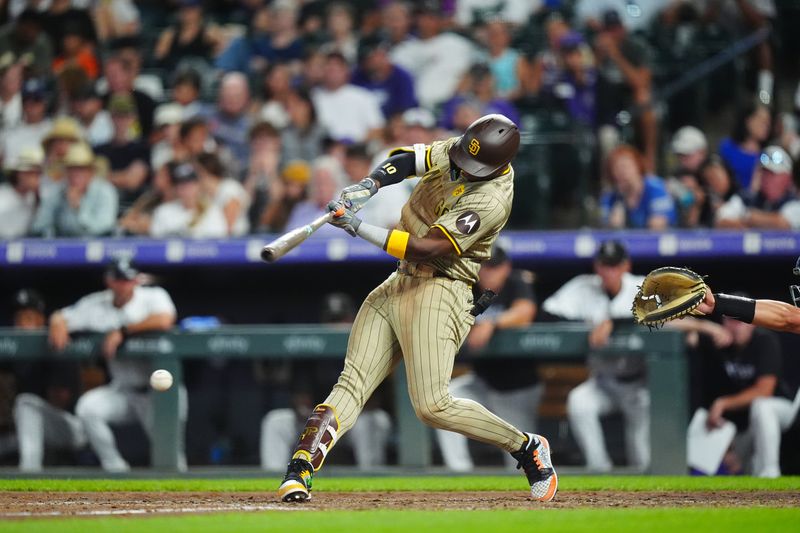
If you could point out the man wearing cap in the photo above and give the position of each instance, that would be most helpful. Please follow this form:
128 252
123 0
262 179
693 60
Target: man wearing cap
616 383
128 156
189 215
514 396
34 125
775 204
87 108
125 308
84 206
19 198
375 72
166 134
690 147
691 150
47 390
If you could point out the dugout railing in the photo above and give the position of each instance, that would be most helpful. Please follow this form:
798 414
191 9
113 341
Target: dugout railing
663 351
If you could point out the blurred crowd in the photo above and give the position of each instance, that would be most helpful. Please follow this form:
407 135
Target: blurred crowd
225 117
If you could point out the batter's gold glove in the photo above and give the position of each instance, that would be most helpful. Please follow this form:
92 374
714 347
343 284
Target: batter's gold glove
668 293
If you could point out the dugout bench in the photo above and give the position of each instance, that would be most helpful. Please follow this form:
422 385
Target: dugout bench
663 351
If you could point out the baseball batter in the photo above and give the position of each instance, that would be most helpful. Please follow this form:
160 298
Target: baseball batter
423 311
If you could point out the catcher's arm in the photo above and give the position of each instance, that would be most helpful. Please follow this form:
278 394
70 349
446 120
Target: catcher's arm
772 314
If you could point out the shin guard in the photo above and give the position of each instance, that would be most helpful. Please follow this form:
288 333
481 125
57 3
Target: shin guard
318 437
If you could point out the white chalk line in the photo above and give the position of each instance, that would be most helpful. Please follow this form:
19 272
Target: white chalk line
155 510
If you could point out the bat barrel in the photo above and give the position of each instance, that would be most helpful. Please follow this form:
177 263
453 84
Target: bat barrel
285 243
268 254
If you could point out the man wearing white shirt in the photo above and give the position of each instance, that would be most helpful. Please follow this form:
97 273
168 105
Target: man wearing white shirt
34 124
189 215
19 198
616 383
10 86
436 60
774 205
124 308
347 112
87 108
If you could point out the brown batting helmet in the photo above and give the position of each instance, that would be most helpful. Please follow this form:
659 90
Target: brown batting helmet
487 147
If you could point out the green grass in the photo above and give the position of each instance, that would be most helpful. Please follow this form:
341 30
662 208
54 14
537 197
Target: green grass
550 521
425 483
539 518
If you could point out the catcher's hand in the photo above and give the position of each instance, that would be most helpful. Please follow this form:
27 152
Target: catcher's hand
668 293
348 221
358 194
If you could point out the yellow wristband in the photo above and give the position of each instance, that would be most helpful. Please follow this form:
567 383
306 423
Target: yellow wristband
397 243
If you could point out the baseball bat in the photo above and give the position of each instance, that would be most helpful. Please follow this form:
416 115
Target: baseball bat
288 241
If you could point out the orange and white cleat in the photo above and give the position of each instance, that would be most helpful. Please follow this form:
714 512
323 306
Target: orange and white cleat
534 460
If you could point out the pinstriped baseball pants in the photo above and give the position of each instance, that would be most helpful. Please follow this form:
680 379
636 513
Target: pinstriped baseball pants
423 321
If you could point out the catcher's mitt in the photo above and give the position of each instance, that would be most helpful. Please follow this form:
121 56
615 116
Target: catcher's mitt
667 293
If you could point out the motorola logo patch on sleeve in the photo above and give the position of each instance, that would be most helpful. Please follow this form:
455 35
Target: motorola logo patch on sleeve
468 222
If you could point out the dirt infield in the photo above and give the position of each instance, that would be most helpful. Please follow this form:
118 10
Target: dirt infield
29 504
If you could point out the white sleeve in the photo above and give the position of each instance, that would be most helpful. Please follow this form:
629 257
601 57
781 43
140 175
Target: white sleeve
733 209
373 114
78 314
791 212
765 8
159 302
157 226
464 13
567 301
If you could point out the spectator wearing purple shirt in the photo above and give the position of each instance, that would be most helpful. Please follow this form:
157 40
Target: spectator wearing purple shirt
575 84
392 85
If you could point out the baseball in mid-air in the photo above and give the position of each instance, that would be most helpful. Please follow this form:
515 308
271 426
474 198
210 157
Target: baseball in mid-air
161 380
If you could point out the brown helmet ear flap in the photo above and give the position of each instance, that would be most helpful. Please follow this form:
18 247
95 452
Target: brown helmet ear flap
318 436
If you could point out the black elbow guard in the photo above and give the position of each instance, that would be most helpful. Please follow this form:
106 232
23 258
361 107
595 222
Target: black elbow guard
394 169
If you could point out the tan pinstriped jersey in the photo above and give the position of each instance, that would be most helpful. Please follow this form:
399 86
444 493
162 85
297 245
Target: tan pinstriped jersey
470 214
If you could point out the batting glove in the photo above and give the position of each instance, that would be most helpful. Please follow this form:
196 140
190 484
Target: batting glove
359 193
348 221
